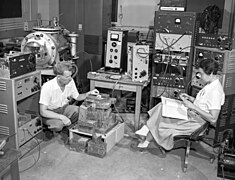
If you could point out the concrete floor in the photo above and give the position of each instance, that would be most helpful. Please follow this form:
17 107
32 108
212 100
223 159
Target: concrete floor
53 160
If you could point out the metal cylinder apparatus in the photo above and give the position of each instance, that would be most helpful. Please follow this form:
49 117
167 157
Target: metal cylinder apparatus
73 46
47 43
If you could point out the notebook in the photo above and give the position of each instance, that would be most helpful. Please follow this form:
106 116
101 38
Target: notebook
174 108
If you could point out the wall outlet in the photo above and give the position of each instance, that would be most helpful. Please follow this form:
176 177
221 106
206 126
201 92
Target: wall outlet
28 25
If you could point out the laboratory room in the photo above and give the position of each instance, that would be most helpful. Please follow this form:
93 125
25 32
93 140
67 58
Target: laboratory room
117 90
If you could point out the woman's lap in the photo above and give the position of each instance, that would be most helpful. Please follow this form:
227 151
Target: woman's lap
164 129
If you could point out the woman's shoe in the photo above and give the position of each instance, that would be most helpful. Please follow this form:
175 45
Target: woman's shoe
139 137
142 146
143 131
135 148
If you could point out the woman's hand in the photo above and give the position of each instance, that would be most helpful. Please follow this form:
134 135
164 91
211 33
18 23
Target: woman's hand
184 96
188 104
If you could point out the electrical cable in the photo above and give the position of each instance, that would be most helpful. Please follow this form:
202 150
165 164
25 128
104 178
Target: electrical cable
91 66
168 48
188 85
180 68
181 50
166 43
176 40
162 40
5 140
147 35
10 136
115 85
122 120
76 70
162 80
116 109
91 69
140 53
39 153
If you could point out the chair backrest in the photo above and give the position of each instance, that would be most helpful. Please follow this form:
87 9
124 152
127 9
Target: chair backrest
196 135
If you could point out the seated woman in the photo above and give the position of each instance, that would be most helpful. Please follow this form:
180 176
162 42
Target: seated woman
205 107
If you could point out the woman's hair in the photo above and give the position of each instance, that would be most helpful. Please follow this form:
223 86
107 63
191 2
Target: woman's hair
62 66
209 66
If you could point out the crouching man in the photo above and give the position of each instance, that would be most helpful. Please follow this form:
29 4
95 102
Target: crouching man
55 95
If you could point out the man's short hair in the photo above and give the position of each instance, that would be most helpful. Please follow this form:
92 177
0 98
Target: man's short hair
62 66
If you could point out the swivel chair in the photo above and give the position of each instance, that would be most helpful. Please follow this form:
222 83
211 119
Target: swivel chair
196 136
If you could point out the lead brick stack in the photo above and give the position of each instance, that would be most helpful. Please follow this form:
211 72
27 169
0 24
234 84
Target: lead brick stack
95 114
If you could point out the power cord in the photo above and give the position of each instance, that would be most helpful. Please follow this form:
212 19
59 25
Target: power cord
116 109
39 153
164 74
122 120
166 42
3 142
88 57
115 84
142 53
91 69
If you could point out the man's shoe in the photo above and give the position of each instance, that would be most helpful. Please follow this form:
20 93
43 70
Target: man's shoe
48 135
65 135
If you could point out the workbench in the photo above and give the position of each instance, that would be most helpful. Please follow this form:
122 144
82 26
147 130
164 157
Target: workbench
124 83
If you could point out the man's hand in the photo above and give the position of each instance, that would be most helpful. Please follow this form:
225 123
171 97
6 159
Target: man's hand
94 92
65 120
